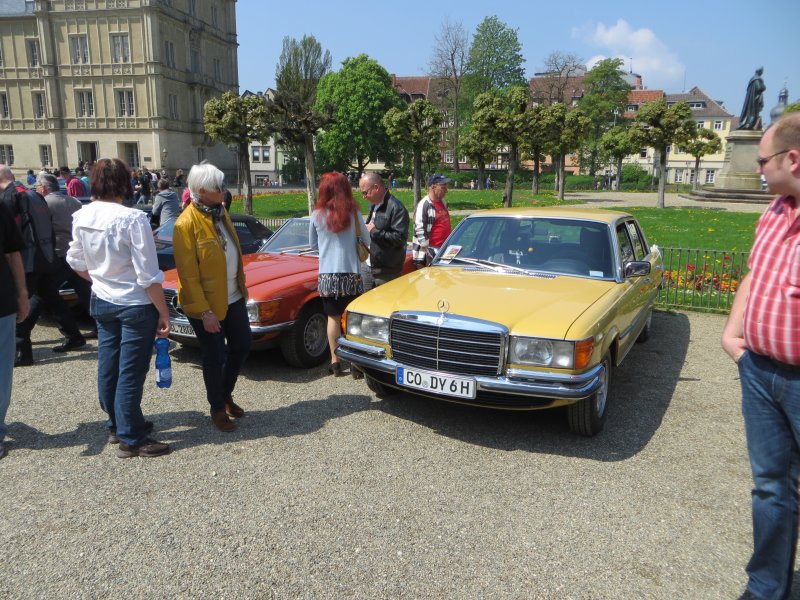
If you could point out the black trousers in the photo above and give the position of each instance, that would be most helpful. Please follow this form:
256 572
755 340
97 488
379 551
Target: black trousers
43 290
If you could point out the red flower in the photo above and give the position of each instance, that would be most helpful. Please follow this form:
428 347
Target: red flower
690 267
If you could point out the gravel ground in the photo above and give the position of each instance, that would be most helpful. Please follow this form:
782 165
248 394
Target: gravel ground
327 492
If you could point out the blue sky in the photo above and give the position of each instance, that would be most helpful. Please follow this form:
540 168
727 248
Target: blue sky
713 44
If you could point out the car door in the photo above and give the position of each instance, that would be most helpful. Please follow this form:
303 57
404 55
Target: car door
630 304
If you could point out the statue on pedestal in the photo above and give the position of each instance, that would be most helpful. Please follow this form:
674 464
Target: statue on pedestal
753 102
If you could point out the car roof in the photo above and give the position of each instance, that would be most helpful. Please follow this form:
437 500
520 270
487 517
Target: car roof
570 212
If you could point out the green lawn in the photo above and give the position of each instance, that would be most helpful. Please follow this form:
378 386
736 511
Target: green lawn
668 227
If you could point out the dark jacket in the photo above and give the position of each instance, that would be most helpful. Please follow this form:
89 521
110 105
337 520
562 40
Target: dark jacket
387 249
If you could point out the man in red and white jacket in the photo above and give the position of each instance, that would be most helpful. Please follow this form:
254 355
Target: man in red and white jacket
431 220
763 336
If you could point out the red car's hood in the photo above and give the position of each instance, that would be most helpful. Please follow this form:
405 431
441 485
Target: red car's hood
264 267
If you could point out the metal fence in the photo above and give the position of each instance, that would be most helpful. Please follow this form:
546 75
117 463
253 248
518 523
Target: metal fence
694 279
704 280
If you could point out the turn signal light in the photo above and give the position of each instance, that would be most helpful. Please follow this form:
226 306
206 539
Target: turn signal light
583 352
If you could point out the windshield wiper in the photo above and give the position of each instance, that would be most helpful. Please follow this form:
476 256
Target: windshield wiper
497 267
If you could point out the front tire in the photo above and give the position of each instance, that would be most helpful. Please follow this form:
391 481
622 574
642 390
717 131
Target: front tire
588 417
306 343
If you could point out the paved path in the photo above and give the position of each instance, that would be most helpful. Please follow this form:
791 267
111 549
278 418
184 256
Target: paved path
671 200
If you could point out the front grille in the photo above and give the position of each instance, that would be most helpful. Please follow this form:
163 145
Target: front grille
175 312
424 343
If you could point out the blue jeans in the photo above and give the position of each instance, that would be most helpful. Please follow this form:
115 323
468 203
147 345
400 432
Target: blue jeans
7 350
771 409
221 365
125 336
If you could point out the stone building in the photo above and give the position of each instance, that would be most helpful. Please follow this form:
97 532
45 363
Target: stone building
82 79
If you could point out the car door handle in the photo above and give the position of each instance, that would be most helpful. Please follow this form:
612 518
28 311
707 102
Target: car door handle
648 280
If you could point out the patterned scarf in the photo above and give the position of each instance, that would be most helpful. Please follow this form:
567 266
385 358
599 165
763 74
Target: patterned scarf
216 217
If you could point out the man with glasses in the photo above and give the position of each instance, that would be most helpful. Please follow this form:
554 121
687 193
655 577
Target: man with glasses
387 224
763 336
431 220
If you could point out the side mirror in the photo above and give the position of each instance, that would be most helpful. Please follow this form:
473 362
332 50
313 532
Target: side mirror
636 268
431 253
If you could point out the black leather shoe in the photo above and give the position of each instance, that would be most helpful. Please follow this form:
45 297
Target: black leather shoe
23 361
337 370
748 595
112 432
147 449
71 344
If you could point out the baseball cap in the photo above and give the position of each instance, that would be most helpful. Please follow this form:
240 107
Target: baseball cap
437 178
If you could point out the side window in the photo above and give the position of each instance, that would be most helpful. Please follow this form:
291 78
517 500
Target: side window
625 246
638 246
245 237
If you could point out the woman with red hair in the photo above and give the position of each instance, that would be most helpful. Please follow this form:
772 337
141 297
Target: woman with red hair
335 224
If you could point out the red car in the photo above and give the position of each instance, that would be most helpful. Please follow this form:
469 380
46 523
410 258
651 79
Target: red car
284 306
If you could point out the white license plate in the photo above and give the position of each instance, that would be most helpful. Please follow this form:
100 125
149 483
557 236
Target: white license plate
439 383
179 329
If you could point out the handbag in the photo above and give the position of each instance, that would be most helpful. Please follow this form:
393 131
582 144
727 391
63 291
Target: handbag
362 250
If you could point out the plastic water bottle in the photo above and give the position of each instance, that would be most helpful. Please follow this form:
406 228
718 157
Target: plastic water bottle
163 363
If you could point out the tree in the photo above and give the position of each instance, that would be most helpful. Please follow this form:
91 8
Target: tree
703 142
479 149
570 127
658 125
292 115
793 107
448 65
541 134
235 120
559 67
495 58
617 144
505 118
360 94
415 129
604 99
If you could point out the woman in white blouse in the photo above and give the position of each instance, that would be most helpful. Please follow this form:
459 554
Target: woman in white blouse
113 247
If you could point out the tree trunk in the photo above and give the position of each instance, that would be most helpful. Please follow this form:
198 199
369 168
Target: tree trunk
311 175
619 173
662 166
536 167
455 141
244 166
696 173
556 173
561 176
512 167
417 177
481 174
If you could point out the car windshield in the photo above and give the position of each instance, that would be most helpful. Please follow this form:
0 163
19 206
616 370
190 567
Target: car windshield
531 245
164 233
291 238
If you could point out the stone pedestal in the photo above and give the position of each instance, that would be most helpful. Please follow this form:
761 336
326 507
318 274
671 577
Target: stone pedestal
741 152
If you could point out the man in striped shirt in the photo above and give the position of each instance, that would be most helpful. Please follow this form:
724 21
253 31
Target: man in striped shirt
763 336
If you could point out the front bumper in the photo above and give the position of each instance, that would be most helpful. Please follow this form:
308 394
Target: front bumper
264 336
517 389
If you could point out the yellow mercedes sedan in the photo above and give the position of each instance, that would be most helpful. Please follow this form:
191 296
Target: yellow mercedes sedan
520 309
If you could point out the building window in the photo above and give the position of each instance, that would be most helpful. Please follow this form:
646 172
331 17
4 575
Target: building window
5 110
44 155
669 149
643 153
701 124
173 106
256 151
131 154
214 16
79 49
120 48
193 7
6 154
195 61
264 153
710 175
678 175
195 109
84 103
286 159
217 70
125 105
695 105
33 53
632 108
691 176
39 105
717 125
448 157
1 55
169 54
